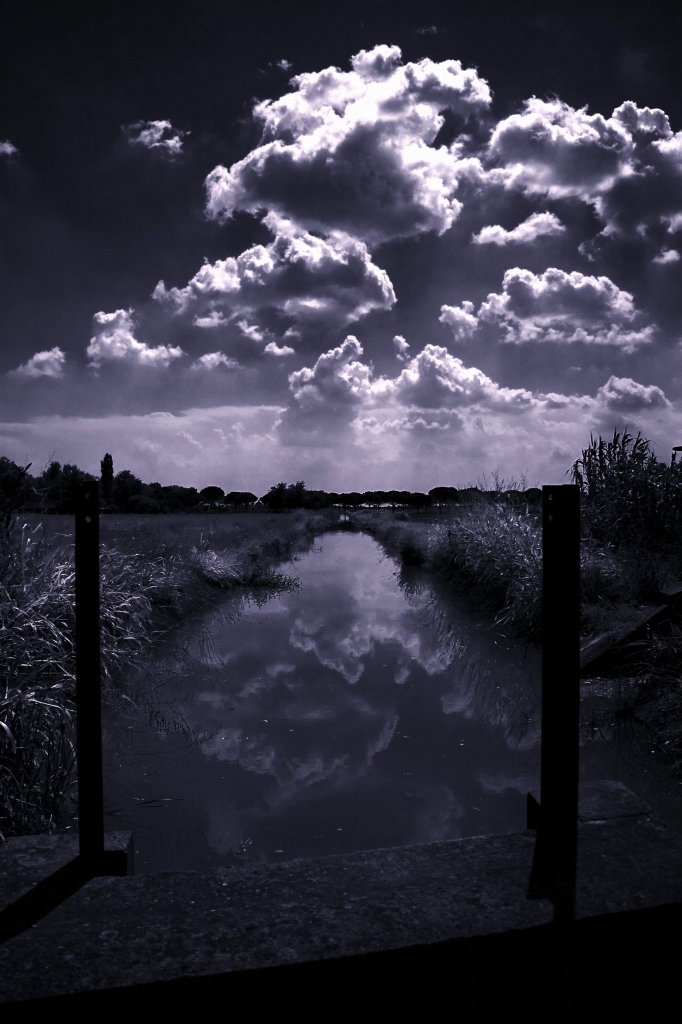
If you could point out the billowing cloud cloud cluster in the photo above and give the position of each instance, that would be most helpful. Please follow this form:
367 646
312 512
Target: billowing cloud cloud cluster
622 394
556 306
563 225
7 148
340 388
628 166
43 364
212 360
115 341
308 279
536 226
156 135
351 151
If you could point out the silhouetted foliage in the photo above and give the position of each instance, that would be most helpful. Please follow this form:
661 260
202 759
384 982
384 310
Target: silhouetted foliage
107 474
629 498
58 487
16 485
239 499
212 494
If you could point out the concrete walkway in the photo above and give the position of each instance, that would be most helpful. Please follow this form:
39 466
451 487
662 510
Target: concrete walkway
117 932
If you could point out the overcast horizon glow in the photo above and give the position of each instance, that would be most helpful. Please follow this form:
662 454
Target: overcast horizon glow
417 291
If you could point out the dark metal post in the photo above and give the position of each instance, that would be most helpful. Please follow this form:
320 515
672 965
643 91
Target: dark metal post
560 655
88 692
556 818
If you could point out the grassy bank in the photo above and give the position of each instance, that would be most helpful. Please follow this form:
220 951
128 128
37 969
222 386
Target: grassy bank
631 521
154 572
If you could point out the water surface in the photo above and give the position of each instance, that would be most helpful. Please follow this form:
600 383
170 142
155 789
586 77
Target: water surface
352 714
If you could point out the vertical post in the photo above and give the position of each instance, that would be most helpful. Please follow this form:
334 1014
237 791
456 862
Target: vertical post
554 867
88 693
560 655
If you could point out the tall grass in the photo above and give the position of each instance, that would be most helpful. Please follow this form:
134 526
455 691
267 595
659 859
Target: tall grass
147 586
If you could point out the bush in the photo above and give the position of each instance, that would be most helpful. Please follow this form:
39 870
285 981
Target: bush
629 498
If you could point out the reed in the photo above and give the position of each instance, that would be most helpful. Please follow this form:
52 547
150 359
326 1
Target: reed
149 583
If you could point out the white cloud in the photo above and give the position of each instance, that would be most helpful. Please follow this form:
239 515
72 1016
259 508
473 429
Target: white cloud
622 394
309 279
250 331
214 319
667 256
212 360
156 135
338 379
460 319
436 380
7 148
273 349
536 226
565 307
628 166
401 346
351 151
115 342
43 364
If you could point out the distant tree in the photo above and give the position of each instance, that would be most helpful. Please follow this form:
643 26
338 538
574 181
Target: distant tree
416 499
174 498
16 485
125 486
240 498
285 496
107 474
444 496
351 499
212 494
275 499
59 486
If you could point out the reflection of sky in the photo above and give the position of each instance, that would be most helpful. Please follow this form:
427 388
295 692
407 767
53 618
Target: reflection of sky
347 701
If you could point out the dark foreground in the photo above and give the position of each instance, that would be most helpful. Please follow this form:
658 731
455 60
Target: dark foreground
440 931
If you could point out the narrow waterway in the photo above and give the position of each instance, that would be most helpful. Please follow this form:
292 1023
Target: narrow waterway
364 710
348 715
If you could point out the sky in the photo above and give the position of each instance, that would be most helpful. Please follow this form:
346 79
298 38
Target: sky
368 245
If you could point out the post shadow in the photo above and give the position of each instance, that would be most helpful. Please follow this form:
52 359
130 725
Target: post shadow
553 874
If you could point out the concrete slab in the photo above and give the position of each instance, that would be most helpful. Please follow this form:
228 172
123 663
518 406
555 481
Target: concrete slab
118 932
27 860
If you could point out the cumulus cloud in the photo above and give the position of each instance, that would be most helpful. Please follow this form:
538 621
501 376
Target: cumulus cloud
155 135
341 389
273 349
536 226
115 341
667 256
43 364
309 279
7 148
460 319
336 381
435 380
565 307
212 360
401 347
622 394
628 166
351 151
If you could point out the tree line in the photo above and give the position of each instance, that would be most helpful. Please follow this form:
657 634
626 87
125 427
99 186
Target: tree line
55 489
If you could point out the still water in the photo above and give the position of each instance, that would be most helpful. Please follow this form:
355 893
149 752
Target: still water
358 712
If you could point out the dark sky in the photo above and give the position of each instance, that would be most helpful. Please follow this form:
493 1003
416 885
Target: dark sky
95 213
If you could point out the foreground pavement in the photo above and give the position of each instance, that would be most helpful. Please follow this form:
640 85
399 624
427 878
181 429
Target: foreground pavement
402 926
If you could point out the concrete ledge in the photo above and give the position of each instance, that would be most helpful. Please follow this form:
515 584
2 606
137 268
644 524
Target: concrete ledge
28 860
118 932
